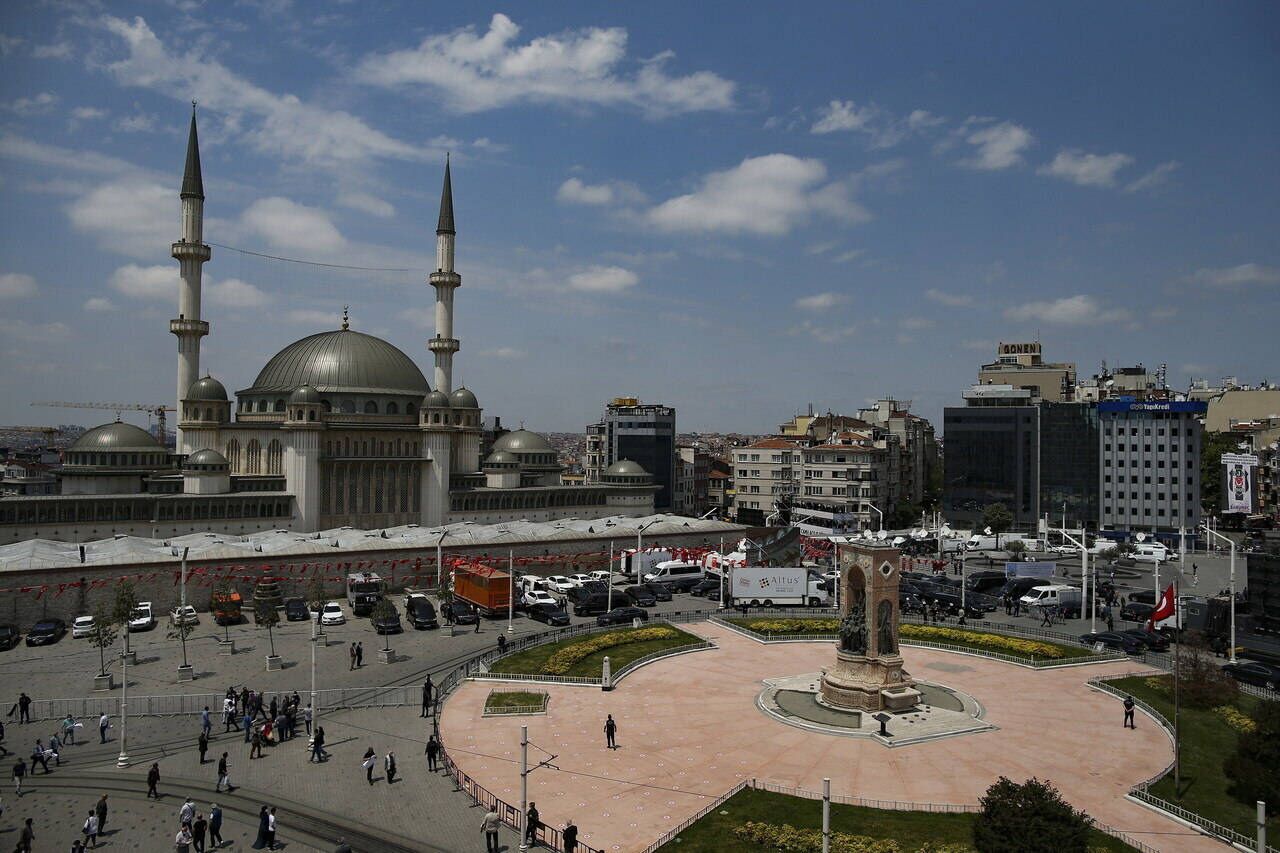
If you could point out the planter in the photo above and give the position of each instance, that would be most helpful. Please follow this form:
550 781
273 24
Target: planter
102 682
386 655
187 673
226 647
274 663
131 657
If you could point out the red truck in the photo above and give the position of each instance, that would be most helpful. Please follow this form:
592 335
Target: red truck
486 588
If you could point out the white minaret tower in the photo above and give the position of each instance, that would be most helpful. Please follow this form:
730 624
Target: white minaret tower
191 253
445 281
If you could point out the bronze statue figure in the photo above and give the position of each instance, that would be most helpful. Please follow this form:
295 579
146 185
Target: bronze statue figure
853 628
886 644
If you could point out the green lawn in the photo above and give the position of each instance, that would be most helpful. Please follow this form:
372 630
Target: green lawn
530 661
514 698
1207 740
714 833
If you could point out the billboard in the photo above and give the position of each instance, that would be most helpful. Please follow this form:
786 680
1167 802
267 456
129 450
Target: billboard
1035 569
1238 490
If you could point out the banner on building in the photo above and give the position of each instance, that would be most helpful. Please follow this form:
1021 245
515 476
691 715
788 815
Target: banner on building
1239 485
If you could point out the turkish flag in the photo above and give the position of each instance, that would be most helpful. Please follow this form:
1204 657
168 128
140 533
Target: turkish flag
1164 608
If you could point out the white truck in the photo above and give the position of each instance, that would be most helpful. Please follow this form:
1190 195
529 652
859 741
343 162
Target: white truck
981 542
636 564
775 587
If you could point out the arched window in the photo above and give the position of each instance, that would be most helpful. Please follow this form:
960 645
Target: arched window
410 408
233 455
253 456
435 417
348 407
457 419
371 408
208 414
392 408
364 448
279 405
262 405
275 456
311 415
326 405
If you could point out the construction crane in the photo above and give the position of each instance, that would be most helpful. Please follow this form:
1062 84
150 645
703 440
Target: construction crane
47 431
150 408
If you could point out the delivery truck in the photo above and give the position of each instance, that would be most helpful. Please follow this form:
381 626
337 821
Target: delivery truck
636 564
363 591
776 587
226 607
486 588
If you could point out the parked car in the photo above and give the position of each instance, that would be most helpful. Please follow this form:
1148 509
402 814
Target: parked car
1136 612
603 577
1153 641
82 626
1258 674
952 606
420 612
185 614
579 594
332 614
659 591
142 619
985 581
703 587
680 584
552 614
580 579
538 596
909 602
1143 596
46 632
622 615
641 596
388 623
1115 640
595 586
296 610
462 613
560 583
9 636
592 604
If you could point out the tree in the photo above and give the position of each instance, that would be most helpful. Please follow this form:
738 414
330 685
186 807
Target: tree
1016 548
122 609
266 615
998 518
104 636
383 611
1029 818
180 627
1203 683
1254 768
319 597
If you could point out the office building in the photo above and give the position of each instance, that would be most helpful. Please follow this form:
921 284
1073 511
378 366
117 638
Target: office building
1022 365
1149 464
644 433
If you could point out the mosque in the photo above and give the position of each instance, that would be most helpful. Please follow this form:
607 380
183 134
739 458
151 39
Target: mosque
339 429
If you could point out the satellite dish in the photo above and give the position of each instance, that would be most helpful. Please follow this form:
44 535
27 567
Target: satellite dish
1141 537
986 530
946 531
882 535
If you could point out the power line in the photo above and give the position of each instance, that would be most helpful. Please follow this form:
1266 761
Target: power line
316 263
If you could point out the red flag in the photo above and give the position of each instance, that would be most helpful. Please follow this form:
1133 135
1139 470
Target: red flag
1164 608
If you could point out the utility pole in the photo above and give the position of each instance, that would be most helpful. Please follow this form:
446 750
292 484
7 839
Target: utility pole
609 592
511 601
524 787
123 759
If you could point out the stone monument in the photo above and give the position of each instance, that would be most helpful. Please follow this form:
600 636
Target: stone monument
868 674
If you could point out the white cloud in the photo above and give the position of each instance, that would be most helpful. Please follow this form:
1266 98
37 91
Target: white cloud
574 191
16 285
883 128
953 299
57 50
504 352
35 333
822 334
133 215
475 72
845 257
234 293
1069 311
603 279
820 248
287 224
421 317
374 206
761 195
1087 170
41 153
158 283
1157 176
99 303
843 115
88 113
998 146
138 123
35 105
1233 276
996 271
8 43
821 301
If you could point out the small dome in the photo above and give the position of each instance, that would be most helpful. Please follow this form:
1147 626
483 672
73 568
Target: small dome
463 399
207 390
501 459
435 400
206 460
522 441
626 468
305 396
117 436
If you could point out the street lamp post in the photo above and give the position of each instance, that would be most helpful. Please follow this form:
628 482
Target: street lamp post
874 509
1084 578
1232 603
123 759
315 710
511 596
609 591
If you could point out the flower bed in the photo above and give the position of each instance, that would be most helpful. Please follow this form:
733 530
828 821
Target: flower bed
957 636
788 838
560 662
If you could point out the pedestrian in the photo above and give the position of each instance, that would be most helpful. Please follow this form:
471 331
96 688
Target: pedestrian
55 746
28 835
433 752
19 773
369 761
37 754
1046 620
202 744
531 824
228 715
4 749
359 655
101 811
961 621
24 708
246 723
104 723
90 829
206 725
318 752
255 750
477 622
198 830
343 846
215 825
1128 712
570 837
77 846
610 730
353 655
1195 575
489 826
187 813
69 730
153 779
224 777
307 716
502 644
261 841
271 828
1111 623
389 764
427 689
182 841
274 710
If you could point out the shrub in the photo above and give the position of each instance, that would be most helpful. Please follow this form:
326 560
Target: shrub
1159 683
995 642
1254 769
1204 684
792 840
1238 721
1029 818
563 660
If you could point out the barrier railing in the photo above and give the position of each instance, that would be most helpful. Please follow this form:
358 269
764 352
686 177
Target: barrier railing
895 805
660 653
668 834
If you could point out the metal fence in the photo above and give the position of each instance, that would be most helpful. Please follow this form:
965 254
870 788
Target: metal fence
896 805
668 834
660 653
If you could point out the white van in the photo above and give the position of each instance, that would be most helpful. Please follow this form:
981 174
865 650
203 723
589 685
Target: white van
1050 595
672 570
1152 552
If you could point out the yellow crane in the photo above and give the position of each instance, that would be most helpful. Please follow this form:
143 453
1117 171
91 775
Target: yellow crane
150 408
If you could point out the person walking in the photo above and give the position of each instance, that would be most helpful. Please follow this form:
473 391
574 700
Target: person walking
369 761
90 829
224 777
215 825
1046 618
19 773
202 744
1111 623
307 716
477 622
489 826
433 752
101 811
104 723
261 841
228 715
389 764
37 754
69 730
206 725
255 750
271 828
427 689
187 813
359 655
24 708
55 746
570 837
28 835
353 655
610 731
182 841
502 644
198 830
1128 712
531 824
3 749
246 723
318 752
153 779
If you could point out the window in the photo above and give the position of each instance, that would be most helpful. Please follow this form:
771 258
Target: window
755 490
1106 495
348 407
392 408
755 457
279 406
1146 448
742 472
371 408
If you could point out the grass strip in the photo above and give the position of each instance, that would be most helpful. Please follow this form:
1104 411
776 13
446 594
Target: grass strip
532 661
514 698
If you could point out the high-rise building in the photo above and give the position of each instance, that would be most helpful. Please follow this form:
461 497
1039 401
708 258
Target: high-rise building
1149 463
644 433
1022 365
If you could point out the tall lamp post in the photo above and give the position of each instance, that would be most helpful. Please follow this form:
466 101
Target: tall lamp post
876 510
123 759
1232 653
609 591
1084 578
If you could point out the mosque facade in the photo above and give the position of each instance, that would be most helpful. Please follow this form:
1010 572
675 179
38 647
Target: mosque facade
338 429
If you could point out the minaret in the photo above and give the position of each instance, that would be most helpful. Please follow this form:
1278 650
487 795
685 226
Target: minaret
445 281
191 253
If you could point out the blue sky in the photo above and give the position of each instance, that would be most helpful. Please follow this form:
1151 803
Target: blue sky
721 207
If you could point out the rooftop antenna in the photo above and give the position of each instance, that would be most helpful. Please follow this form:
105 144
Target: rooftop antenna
346 317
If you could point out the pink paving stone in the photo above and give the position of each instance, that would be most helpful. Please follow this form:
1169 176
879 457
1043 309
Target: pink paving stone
690 722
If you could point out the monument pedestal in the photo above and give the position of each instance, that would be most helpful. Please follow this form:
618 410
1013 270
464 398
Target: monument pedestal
858 682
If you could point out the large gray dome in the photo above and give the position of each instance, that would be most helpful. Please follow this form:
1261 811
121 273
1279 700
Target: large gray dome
435 400
463 399
207 390
117 436
523 441
206 460
627 468
343 361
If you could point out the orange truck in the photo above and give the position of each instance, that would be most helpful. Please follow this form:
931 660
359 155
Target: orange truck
484 587
227 608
